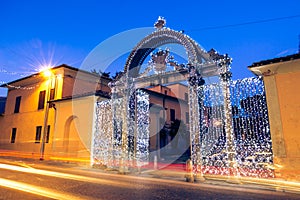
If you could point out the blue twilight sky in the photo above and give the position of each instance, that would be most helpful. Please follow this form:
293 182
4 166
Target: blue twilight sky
36 32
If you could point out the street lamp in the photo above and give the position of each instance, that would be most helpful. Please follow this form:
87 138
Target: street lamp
49 75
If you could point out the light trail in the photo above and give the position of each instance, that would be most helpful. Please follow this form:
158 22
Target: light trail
270 183
64 175
277 184
41 191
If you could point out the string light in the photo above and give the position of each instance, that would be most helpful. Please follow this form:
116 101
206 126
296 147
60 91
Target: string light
108 145
102 141
4 71
20 87
252 139
142 146
196 54
21 74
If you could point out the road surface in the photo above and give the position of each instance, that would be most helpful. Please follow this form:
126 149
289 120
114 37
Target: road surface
37 180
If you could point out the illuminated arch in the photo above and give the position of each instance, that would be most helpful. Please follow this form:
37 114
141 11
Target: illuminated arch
160 37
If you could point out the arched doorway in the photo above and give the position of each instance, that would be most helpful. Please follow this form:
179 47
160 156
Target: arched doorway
71 140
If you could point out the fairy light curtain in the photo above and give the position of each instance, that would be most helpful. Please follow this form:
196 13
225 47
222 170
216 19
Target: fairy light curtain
103 141
252 139
108 145
143 132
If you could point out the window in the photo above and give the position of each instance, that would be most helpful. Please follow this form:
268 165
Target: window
52 94
38 134
52 97
172 114
48 134
42 96
17 105
186 96
13 135
187 118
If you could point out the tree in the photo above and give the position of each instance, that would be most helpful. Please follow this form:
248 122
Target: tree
100 73
118 74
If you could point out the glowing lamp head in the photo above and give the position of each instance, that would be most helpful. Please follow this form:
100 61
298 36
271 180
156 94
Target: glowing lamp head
47 73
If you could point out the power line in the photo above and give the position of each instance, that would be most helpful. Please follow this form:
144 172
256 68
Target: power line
245 23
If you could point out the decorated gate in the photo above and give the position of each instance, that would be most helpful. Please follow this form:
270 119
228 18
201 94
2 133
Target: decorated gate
228 127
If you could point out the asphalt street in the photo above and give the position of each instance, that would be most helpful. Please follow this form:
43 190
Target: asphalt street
45 180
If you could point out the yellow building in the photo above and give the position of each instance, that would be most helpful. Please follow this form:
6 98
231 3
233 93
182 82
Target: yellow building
281 78
62 100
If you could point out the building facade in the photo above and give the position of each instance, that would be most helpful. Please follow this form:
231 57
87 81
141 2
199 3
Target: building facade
44 111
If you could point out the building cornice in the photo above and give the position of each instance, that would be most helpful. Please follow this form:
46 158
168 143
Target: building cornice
277 65
39 74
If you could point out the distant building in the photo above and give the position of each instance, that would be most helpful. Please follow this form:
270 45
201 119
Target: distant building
169 117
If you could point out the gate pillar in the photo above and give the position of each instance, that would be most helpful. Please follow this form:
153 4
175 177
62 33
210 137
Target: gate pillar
225 76
195 102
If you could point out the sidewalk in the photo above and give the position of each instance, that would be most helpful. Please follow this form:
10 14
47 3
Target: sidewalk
244 182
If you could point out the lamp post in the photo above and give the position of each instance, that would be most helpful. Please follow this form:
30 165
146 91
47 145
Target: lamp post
48 74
